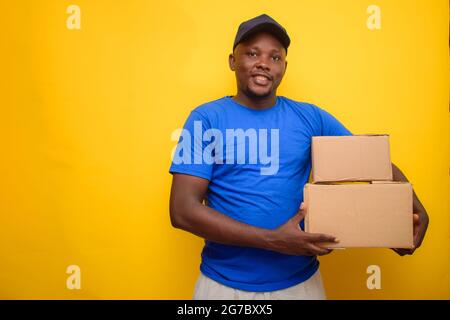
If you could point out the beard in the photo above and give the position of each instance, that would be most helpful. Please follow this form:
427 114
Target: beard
254 95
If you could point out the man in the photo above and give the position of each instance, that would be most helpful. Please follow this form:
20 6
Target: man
244 202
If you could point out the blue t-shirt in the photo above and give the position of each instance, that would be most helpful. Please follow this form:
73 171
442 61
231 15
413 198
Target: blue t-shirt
257 163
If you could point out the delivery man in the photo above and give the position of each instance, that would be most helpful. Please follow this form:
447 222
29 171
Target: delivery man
238 176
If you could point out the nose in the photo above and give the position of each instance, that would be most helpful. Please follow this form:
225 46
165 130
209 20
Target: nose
262 63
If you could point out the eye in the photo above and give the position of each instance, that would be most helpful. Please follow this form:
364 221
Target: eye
276 58
251 54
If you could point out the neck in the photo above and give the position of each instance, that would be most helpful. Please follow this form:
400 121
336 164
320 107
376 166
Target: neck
255 102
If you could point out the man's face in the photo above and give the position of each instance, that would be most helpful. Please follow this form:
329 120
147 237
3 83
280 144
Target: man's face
259 63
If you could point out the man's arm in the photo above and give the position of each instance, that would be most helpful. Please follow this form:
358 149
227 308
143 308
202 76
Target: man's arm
420 216
187 212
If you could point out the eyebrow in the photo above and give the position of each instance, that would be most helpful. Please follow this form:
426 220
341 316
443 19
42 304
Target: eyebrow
273 50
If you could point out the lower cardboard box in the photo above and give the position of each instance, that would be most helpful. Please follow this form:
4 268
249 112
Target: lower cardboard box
372 215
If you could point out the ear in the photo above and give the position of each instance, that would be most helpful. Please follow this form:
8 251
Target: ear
285 67
232 62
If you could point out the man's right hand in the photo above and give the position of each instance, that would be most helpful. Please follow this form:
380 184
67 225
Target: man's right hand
187 212
290 239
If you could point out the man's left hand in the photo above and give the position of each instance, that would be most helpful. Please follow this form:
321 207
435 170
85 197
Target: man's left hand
420 227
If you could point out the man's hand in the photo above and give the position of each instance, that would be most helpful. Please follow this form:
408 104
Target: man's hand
290 239
187 212
420 217
420 227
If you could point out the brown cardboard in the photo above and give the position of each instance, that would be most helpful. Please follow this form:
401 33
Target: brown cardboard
361 215
351 158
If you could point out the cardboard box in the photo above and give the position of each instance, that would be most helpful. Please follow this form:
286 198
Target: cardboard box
351 158
361 215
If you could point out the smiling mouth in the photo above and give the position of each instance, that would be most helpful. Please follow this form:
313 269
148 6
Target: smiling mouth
261 80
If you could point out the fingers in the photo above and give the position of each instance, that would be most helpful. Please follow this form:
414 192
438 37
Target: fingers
417 240
398 251
416 230
402 251
297 218
302 206
416 236
317 250
300 214
320 237
407 251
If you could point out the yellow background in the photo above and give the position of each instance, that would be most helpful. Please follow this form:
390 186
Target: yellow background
87 116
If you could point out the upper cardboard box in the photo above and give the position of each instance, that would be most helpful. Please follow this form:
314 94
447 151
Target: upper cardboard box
351 158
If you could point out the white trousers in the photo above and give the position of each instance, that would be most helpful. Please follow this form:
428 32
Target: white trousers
209 289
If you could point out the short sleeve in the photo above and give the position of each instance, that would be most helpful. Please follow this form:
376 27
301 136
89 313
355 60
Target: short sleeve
188 155
331 126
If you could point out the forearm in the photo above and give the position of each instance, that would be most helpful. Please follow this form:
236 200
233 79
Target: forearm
417 205
215 226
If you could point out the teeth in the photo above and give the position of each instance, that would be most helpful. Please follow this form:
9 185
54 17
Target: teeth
261 80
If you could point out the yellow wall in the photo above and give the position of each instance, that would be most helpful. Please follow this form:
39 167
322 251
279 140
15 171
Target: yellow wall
87 116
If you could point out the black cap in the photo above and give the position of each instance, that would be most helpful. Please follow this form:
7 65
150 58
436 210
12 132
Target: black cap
259 24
